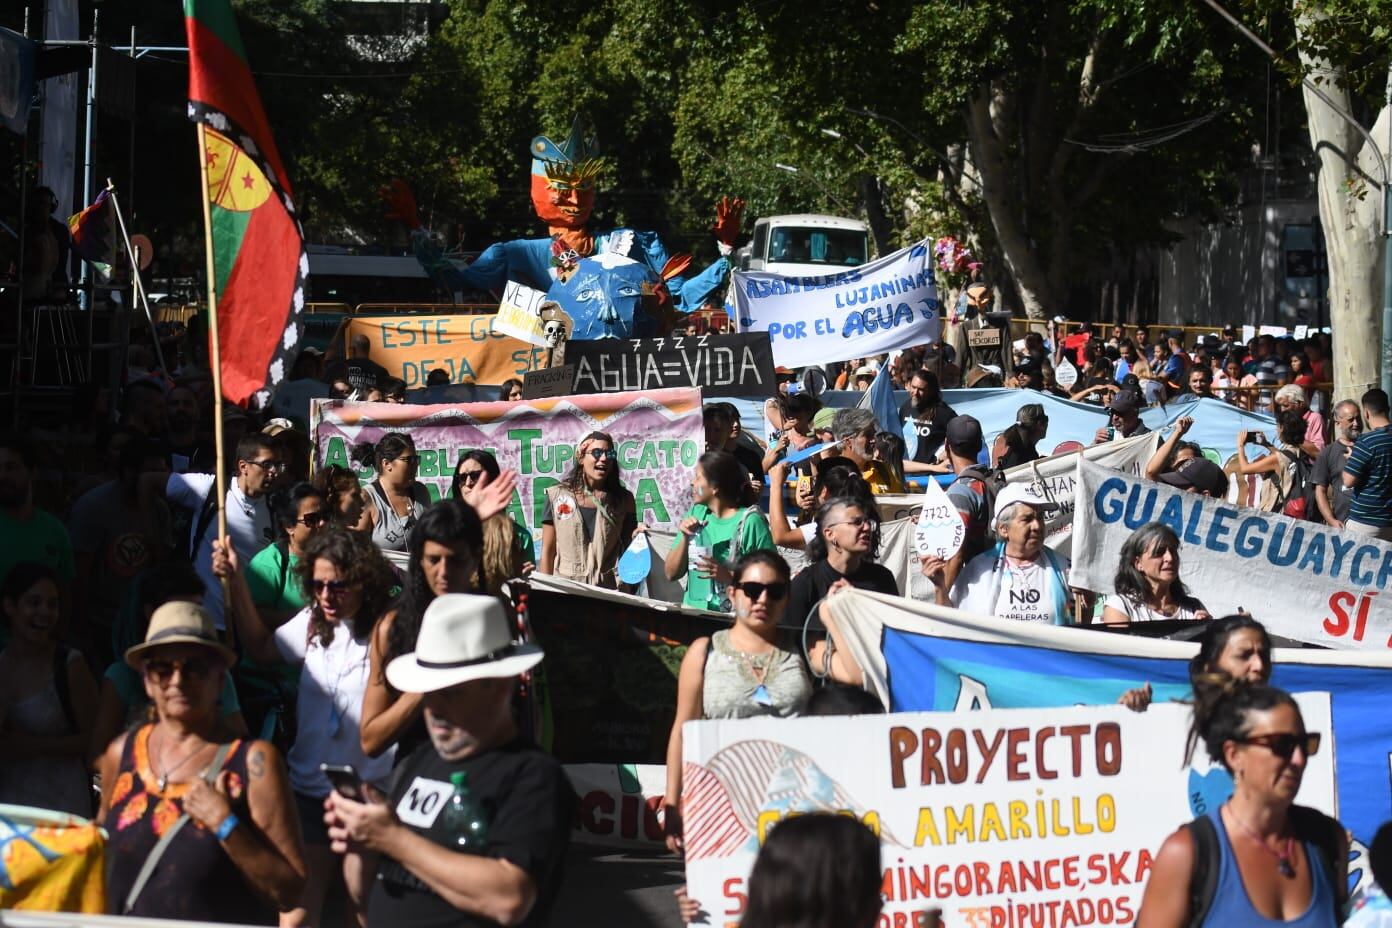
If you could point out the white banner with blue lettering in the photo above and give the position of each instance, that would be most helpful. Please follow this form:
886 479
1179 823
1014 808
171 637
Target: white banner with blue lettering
887 304
919 657
1302 580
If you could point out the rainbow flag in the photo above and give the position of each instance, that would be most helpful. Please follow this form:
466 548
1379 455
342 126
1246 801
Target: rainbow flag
93 234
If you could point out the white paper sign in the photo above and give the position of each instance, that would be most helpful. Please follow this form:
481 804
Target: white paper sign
1300 332
1249 332
989 815
519 314
940 527
1065 374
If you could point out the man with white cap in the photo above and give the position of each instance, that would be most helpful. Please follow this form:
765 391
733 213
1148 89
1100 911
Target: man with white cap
504 865
1019 578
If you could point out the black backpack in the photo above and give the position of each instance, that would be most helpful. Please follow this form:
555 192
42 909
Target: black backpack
1309 824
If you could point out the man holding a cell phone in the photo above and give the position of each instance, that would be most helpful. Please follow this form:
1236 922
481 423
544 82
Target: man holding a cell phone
476 825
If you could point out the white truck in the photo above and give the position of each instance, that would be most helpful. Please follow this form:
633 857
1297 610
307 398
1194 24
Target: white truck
806 245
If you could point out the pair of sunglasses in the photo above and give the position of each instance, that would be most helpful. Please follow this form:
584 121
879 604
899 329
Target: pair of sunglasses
335 587
467 478
600 453
754 590
163 670
313 519
1284 745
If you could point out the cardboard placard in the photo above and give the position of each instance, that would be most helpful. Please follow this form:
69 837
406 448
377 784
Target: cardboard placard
723 365
984 338
549 381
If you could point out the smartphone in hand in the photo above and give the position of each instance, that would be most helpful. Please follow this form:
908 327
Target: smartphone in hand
345 780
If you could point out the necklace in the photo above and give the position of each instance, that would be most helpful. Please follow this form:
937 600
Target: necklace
163 780
758 668
1283 858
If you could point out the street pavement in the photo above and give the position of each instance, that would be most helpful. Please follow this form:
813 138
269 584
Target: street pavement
605 887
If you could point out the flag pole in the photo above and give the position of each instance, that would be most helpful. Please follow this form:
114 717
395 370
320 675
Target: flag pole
137 285
215 363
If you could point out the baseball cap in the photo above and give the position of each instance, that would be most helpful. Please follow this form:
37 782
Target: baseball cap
1201 474
964 432
1125 402
1013 493
822 420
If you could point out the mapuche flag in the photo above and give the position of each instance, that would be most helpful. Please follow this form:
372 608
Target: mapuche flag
258 258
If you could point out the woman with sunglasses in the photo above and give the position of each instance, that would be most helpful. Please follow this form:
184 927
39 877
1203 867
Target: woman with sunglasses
737 673
395 500
299 513
508 548
445 553
842 550
723 528
590 517
349 584
1276 862
215 807
344 493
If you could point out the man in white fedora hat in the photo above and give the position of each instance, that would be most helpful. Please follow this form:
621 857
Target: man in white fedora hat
475 828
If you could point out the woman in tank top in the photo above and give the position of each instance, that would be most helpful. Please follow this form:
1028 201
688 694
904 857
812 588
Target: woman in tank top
1277 863
394 499
1147 585
740 672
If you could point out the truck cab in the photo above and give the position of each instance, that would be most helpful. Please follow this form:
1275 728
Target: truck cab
806 245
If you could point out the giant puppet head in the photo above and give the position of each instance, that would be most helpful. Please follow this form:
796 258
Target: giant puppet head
563 178
611 296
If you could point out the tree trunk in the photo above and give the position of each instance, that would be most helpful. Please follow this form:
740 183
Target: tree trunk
875 214
1003 203
1348 166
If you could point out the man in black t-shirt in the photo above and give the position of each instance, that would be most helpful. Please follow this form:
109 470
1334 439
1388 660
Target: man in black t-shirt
493 856
924 417
361 372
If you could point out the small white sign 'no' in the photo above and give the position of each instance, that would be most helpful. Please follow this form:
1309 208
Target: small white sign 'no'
940 530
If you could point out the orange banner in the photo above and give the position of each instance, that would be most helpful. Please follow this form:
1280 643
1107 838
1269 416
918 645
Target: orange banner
50 862
468 348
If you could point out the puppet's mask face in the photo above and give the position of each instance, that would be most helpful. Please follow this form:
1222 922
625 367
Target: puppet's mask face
562 204
606 298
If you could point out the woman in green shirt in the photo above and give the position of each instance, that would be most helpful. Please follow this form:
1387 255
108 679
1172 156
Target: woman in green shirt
715 533
300 512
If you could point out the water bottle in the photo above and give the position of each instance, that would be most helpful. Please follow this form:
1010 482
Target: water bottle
697 548
464 816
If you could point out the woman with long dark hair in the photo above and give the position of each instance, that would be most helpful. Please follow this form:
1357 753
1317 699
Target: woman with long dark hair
1147 584
590 517
344 492
816 871
718 529
508 550
1277 862
395 500
445 553
349 583
737 673
299 513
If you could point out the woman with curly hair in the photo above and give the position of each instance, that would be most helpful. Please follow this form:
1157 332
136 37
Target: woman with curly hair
590 517
349 584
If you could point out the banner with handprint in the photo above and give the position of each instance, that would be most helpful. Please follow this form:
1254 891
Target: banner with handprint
997 817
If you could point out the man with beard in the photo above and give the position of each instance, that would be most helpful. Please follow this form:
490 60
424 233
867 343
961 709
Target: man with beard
27 533
502 863
1331 496
925 417
189 451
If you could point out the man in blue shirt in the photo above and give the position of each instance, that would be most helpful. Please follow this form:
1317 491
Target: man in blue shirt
1368 472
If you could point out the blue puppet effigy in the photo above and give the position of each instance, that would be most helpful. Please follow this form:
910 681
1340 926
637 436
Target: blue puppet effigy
616 284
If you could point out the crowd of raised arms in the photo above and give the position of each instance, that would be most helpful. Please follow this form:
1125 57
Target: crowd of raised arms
245 709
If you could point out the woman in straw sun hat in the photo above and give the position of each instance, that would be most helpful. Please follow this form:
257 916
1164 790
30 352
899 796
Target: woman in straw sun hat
201 824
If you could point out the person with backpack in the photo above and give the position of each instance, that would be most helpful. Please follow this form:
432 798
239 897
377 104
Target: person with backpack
300 512
1257 858
718 529
1289 488
248 516
972 491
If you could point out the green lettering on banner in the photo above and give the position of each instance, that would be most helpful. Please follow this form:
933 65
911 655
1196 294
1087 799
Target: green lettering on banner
336 453
430 464
539 487
649 499
689 453
525 437
516 511
565 454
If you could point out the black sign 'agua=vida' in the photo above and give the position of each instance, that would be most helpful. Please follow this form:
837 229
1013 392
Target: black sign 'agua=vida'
726 365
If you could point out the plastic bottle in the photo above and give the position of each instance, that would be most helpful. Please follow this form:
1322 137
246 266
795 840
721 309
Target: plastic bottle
464 816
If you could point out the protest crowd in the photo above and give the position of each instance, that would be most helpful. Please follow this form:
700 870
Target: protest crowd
243 713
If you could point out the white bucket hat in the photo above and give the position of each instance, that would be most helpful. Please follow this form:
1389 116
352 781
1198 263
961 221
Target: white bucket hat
462 637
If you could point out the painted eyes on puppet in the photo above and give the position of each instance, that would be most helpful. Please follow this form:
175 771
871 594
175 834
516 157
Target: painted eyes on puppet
628 290
586 295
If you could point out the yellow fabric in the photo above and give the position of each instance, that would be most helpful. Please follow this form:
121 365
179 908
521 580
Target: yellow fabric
881 478
51 862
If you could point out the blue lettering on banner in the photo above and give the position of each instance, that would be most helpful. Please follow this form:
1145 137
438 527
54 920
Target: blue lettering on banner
1108 509
1219 529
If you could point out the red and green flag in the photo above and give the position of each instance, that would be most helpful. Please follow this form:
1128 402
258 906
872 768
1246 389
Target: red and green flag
258 259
